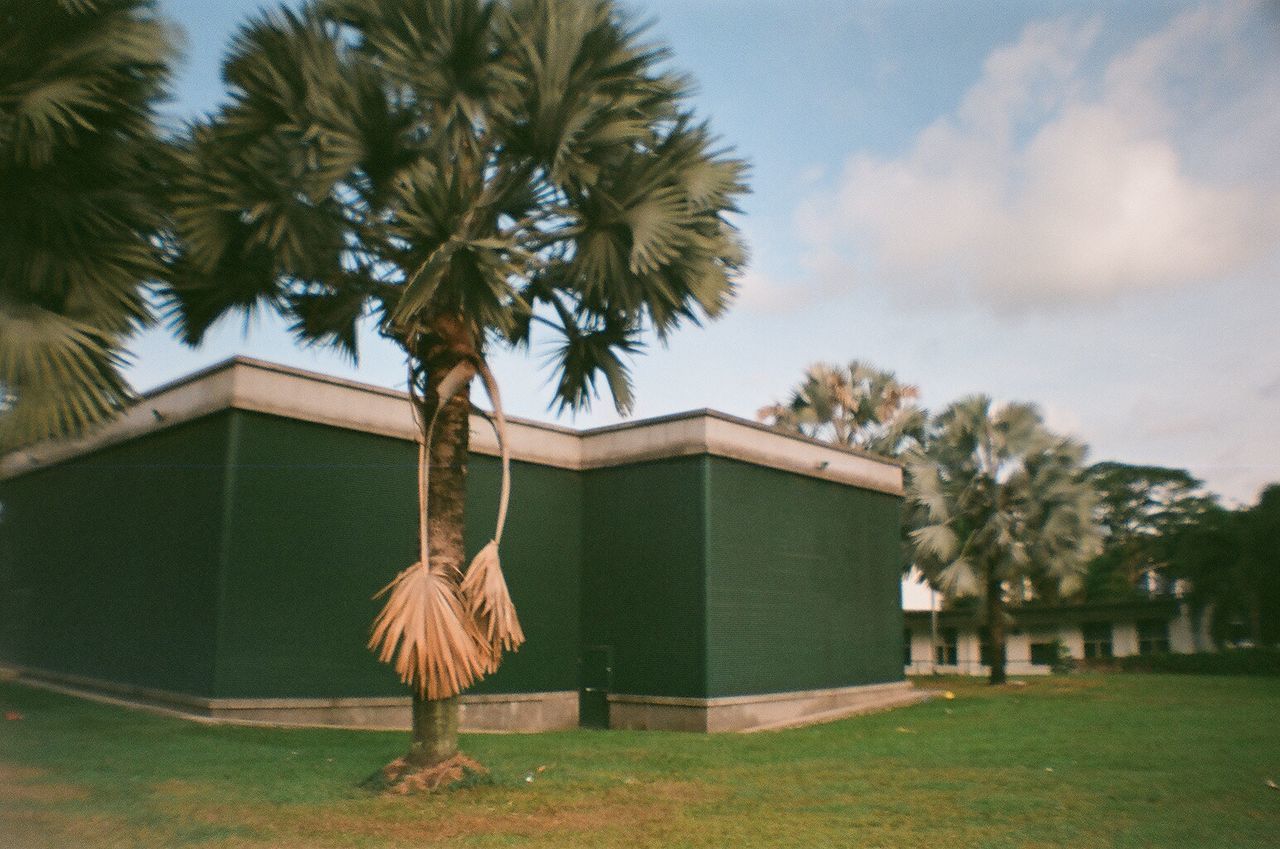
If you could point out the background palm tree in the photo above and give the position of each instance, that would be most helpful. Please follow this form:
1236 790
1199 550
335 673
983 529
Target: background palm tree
462 175
80 202
857 406
997 499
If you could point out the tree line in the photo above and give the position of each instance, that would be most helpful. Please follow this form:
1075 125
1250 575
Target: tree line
1001 509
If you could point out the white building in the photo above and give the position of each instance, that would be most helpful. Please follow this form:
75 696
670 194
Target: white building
951 642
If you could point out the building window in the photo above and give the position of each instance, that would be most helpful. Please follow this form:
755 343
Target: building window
1097 639
1044 654
948 653
1153 636
906 647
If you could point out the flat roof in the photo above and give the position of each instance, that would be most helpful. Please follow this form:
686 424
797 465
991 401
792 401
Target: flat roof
243 383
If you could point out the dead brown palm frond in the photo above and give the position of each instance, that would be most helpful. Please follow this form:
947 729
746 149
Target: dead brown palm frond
484 588
424 628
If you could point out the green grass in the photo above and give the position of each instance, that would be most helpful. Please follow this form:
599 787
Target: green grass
1079 761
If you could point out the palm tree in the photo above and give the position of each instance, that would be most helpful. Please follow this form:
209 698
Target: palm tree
997 499
79 157
857 406
463 175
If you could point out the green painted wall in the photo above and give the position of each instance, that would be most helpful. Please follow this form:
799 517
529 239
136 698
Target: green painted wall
643 589
803 583
542 560
324 517
705 576
108 563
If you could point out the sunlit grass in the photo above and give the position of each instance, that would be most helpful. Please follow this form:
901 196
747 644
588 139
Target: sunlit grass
1077 761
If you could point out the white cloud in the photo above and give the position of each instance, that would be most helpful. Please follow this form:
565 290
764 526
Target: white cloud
759 291
762 292
811 174
1064 175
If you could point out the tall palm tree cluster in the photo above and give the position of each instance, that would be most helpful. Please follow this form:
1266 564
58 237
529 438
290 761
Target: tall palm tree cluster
994 500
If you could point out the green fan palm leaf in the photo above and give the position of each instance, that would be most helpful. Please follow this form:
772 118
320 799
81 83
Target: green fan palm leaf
82 175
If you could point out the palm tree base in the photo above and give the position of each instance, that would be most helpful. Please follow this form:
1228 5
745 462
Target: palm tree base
435 730
404 777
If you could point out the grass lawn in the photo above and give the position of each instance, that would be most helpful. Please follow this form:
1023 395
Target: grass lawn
1079 761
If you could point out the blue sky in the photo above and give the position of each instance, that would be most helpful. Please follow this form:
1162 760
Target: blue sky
1076 204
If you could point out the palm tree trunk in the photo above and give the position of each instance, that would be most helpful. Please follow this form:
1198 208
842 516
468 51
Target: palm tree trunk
995 628
435 730
435 721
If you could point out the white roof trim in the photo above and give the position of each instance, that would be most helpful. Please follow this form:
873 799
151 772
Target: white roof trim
262 387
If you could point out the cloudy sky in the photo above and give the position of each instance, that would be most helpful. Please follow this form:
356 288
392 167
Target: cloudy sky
1074 204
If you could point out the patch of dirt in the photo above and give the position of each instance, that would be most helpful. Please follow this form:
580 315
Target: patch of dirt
60 829
630 810
177 789
24 784
12 772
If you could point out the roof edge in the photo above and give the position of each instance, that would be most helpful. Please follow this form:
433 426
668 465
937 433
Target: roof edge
245 383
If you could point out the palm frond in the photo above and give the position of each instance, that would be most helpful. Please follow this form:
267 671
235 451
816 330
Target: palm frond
488 602
329 315
62 376
958 579
938 542
584 356
83 176
424 629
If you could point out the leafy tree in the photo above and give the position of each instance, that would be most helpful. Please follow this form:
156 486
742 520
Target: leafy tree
1261 555
1206 554
79 201
1231 561
1139 506
463 175
857 406
996 499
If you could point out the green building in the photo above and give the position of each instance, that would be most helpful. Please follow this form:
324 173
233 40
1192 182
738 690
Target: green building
216 551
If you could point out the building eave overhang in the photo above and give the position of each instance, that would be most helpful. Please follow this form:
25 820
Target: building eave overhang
257 386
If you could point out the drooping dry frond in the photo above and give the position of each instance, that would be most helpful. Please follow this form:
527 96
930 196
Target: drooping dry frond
484 588
424 628
488 601
440 649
